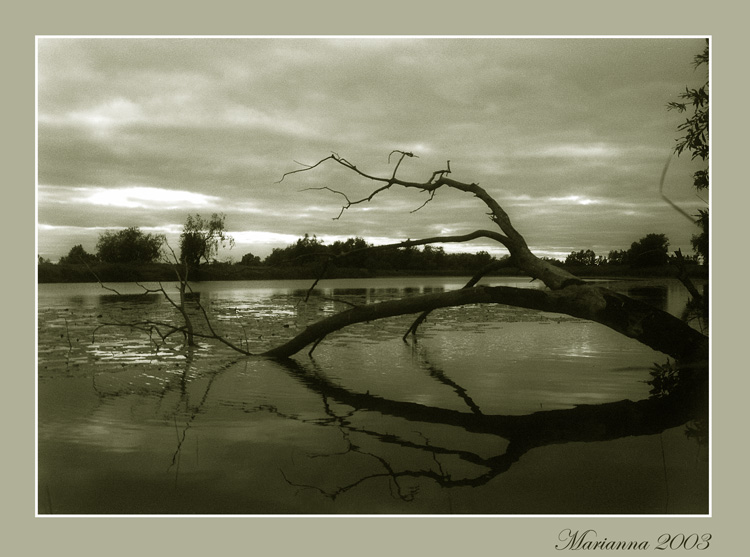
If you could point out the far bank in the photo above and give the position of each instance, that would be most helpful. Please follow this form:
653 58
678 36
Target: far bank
119 272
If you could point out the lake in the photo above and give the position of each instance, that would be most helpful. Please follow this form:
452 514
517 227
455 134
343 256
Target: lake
491 410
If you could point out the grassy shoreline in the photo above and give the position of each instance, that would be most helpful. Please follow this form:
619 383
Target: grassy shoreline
71 273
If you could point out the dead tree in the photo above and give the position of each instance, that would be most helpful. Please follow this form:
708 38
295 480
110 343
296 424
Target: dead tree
163 329
565 293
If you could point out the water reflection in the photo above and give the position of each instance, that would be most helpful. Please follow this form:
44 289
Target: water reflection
441 377
519 434
349 291
492 411
367 443
131 299
189 411
654 295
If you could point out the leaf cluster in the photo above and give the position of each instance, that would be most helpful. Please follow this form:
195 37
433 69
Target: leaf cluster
665 379
696 127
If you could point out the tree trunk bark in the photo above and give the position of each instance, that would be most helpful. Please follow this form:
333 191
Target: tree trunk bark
651 326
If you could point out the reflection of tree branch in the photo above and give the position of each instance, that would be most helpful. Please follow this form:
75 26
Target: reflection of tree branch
585 423
440 375
434 456
351 447
493 466
178 453
576 424
401 493
195 410
344 425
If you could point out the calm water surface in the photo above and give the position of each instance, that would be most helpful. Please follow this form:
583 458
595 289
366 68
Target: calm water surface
482 415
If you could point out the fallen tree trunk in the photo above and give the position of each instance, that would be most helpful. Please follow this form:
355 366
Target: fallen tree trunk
567 293
651 326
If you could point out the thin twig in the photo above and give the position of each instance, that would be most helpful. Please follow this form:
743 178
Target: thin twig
669 201
432 196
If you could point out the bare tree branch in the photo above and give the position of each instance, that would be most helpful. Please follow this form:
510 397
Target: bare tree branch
461 238
567 295
401 158
432 196
574 296
552 276
329 258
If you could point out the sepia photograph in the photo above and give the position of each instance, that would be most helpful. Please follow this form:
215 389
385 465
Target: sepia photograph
378 276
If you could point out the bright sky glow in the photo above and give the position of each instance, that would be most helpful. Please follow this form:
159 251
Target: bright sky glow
118 111
144 197
573 151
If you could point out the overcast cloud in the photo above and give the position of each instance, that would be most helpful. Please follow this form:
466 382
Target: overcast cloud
569 135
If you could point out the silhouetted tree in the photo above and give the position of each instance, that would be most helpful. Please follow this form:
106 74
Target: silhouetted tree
360 257
78 255
649 251
129 246
617 257
583 257
201 238
250 259
303 251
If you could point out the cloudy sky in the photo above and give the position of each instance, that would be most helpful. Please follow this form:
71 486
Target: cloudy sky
569 135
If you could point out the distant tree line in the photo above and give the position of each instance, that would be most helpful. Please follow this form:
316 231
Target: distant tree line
356 252
130 245
650 251
199 244
201 238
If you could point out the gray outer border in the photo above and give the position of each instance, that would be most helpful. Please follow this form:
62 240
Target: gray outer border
24 534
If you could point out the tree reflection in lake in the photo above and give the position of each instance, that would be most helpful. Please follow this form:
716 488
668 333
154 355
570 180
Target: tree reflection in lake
587 423
493 411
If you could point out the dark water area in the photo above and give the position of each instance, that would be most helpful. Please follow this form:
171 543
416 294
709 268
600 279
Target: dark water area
493 410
